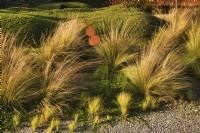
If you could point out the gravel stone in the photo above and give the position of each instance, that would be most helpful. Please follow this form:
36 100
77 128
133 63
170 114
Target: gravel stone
183 118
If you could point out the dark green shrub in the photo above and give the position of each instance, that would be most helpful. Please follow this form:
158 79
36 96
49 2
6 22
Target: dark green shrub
5 118
28 27
63 5
142 4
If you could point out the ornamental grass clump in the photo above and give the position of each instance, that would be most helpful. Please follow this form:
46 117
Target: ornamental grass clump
60 66
94 108
16 118
65 39
46 79
192 53
124 100
34 123
119 45
158 74
53 124
73 124
115 49
19 83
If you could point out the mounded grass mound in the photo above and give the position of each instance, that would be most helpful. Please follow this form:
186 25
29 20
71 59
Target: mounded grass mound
62 5
33 23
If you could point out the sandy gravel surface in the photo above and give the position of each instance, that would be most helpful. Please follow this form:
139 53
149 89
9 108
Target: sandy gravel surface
184 118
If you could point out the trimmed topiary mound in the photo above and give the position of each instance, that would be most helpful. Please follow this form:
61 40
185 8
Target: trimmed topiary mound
26 26
63 5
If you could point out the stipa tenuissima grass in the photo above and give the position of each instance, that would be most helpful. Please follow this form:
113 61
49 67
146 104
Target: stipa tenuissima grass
158 72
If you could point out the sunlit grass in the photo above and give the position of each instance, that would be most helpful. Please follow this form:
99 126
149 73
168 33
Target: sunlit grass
19 83
158 72
94 106
124 100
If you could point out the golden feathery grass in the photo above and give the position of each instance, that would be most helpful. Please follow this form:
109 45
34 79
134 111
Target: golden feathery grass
149 103
159 69
115 48
16 118
192 47
73 124
95 121
34 123
19 83
53 124
65 39
94 106
124 100
60 65
41 120
48 111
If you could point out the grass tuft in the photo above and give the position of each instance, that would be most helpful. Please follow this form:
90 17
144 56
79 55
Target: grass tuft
124 100
159 70
19 84
94 106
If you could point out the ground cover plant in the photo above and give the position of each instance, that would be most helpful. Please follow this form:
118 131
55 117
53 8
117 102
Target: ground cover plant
63 78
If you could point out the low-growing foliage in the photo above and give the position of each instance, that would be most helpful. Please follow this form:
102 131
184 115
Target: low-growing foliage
32 23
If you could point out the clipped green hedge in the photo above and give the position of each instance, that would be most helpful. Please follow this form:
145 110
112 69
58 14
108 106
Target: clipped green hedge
62 5
26 26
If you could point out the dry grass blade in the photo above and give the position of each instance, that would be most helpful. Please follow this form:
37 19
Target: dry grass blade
65 39
159 70
60 64
115 48
18 80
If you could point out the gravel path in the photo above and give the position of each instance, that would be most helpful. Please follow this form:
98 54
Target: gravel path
184 118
